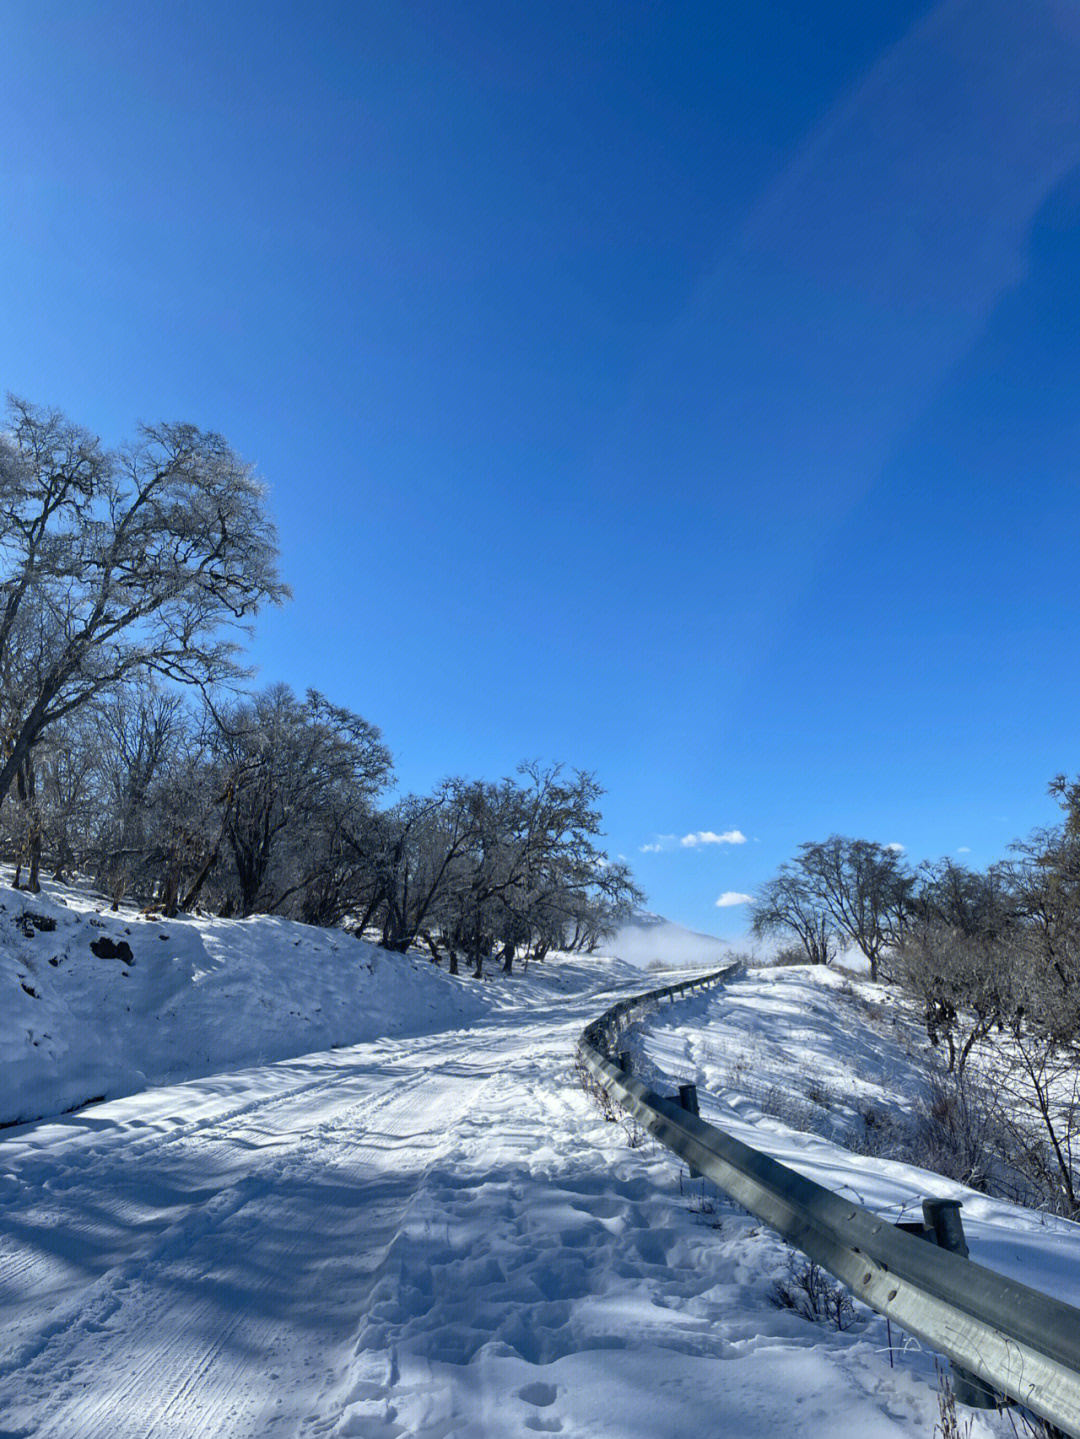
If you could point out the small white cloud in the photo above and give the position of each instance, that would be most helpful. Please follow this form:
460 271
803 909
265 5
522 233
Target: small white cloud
707 836
896 848
964 849
693 841
730 897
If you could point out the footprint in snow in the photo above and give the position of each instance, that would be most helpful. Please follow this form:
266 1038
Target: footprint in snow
542 1396
539 1394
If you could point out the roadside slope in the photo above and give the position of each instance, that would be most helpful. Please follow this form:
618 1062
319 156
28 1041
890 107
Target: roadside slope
818 1071
187 997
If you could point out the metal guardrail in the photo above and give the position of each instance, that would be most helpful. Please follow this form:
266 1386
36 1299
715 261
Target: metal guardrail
1017 1341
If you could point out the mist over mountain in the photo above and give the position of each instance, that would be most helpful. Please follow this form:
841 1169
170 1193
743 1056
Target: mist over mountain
649 938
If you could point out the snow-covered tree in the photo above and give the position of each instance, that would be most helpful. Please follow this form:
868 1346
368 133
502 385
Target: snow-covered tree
119 562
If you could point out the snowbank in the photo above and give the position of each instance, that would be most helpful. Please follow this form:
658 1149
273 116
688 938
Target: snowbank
795 1062
196 996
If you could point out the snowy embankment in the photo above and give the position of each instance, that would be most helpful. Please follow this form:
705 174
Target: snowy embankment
807 1066
188 997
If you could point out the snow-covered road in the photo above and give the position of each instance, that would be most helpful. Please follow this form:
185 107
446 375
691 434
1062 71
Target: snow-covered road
198 1280
436 1237
196 1260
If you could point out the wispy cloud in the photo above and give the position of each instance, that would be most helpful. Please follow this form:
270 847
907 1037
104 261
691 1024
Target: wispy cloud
731 897
693 841
964 849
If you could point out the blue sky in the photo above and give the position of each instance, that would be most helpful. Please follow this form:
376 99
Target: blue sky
686 393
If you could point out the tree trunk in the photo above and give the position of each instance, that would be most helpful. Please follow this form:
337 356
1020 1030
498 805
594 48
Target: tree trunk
33 882
369 913
20 751
26 792
170 893
200 879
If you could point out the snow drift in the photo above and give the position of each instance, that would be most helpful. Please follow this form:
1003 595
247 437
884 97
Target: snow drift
99 1005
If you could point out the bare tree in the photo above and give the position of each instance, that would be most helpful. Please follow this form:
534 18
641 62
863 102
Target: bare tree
69 791
119 562
417 863
510 866
287 767
141 726
954 954
1046 880
864 889
995 960
1036 1073
961 981
789 905
977 903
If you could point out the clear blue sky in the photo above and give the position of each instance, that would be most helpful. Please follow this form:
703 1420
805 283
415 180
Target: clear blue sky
685 392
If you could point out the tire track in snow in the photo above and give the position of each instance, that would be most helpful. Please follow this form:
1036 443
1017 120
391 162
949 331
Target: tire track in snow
91 1368
56 1241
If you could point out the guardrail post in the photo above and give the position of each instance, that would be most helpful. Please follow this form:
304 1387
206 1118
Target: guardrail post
942 1220
688 1098
943 1217
689 1101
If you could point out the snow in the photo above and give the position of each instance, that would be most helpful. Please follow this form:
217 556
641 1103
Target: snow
773 1037
199 996
431 1231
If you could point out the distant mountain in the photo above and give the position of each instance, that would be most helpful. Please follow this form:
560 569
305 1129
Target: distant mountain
648 938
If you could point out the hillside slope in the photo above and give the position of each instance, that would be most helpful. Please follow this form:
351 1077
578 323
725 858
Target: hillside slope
190 997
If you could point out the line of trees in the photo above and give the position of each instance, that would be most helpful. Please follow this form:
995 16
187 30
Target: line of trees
991 957
130 754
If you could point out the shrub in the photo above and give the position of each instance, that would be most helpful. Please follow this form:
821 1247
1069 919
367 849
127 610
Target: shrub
810 1292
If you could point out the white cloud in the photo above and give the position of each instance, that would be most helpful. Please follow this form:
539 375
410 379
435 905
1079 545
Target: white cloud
693 841
707 836
896 848
964 849
730 897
